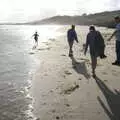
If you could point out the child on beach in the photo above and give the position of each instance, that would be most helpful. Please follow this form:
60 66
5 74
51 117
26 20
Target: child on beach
96 44
36 38
71 36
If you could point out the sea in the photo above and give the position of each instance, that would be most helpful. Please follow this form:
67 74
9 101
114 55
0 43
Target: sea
17 67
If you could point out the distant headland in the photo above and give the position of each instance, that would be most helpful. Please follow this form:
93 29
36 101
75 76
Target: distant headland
105 19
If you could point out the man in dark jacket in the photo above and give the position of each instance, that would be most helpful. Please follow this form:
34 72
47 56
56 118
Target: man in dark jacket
71 36
96 44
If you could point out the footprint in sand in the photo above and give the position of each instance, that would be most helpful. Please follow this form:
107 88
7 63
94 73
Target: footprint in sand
104 73
44 103
64 76
47 44
48 48
67 105
105 80
63 55
51 91
80 79
115 74
31 53
71 89
38 119
114 71
53 111
67 72
57 117
52 39
44 42
41 49
86 60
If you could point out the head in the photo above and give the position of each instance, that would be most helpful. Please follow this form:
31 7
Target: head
73 27
92 28
117 19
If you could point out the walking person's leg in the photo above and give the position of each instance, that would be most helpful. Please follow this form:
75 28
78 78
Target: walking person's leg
117 62
118 51
94 64
37 42
70 48
34 44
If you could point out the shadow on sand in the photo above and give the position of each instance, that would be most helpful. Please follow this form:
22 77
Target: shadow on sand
112 98
80 67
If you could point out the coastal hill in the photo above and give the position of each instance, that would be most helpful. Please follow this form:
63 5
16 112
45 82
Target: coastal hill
100 19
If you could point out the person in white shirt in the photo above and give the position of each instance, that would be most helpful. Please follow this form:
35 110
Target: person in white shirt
117 34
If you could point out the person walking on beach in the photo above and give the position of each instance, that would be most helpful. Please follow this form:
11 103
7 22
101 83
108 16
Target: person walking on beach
117 34
36 38
95 42
71 36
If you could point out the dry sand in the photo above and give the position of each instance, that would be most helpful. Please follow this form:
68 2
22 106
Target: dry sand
64 89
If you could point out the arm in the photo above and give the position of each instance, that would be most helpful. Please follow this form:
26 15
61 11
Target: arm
76 38
33 35
68 35
112 35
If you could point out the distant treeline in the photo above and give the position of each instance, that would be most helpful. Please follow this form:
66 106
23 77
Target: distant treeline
105 19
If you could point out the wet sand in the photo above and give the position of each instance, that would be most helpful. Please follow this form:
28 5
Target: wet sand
63 87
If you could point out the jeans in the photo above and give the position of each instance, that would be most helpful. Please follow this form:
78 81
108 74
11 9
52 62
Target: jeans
118 50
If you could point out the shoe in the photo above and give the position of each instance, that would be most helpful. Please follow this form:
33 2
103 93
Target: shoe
70 55
116 63
103 56
94 75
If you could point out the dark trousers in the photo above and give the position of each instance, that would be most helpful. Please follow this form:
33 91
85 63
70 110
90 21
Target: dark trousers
118 50
70 46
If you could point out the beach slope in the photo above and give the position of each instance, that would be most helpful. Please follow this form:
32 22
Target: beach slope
63 87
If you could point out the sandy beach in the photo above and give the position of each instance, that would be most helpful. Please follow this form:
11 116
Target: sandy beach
63 88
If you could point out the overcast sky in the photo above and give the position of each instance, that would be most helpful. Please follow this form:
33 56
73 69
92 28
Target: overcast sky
29 10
